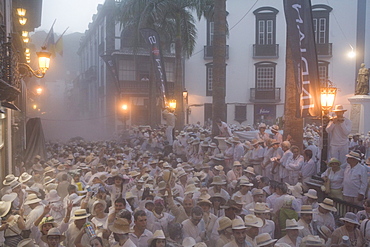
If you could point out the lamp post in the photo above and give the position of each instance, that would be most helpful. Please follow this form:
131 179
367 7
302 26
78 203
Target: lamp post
185 95
328 93
124 108
44 64
172 104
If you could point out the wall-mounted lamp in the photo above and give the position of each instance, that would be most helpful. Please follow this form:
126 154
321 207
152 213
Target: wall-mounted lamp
44 63
21 12
22 20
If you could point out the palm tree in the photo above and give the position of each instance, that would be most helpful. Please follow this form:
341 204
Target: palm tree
174 21
219 64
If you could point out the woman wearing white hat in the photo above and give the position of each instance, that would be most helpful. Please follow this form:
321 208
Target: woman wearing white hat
333 177
158 239
348 229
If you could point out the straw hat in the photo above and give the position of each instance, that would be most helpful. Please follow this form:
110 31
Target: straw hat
129 195
31 199
311 240
120 226
50 169
52 196
328 204
311 193
250 170
24 177
228 141
9 197
53 232
61 167
14 184
9 179
254 142
75 198
324 231
218 195
205 201
334 160
48 180
264 239
4 208
306 209
212 145
235 139
238 224
102 202
134 173
237 163
161 185
47 220
217 180
253 221
28 242
354 155
339 108
257 192
351 218
224 223
219 157
188 242
262 125
296 190
219 168
260 208
80 214
291 224
190 188
158 234
275 127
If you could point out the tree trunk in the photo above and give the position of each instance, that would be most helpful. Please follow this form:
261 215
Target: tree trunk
219 65
293 126
178 84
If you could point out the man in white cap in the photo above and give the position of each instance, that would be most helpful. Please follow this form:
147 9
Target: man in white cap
355 179
339 128
306 221
253 224
323 214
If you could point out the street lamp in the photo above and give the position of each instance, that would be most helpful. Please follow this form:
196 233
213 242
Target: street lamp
124 108
39 90
44 63
185 95
172 104
328 93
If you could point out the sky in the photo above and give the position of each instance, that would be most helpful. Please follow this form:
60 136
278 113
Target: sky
75 14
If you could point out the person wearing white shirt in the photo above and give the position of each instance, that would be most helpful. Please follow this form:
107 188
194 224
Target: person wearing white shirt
283 172
141 235
294 165
308 167
335 174
355 179
323 214
195 226
338 129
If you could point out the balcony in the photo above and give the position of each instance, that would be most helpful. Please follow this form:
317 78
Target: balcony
208 52
324 50
266 51
140 88
265 95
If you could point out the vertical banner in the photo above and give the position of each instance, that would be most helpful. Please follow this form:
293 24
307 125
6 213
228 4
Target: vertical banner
301 41
151 37
111 64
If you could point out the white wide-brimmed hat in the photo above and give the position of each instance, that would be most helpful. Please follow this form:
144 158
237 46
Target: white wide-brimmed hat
251 220
31 199
328 204
80 214
52 196
4 208
238 224
188 242
224 223
354 155
158 234
291 224
306 209
120 226
311 193
28 242
9 179
9 197
217 180
311 240
264 239
339 108
260 208
24 177
351 218
53 232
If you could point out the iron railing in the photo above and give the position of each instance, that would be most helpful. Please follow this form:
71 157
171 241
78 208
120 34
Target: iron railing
265 95
266 51
208 52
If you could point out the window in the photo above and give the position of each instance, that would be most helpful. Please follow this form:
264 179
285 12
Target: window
265 25
265 75
210 32
170 71
240 113
323 72
209 79
320 16
208 114
126 70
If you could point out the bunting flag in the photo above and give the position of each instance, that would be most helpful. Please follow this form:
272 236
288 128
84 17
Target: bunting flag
49 42
301 41
59 44
151 37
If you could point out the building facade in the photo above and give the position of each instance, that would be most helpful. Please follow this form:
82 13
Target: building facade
256 48
115 73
